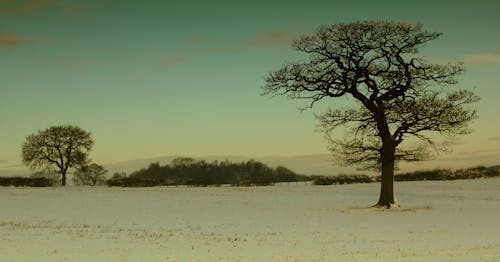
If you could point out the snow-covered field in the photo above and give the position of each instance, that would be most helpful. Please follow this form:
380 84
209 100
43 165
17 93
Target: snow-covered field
439 221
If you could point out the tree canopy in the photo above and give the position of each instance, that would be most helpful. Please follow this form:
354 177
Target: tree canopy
61 147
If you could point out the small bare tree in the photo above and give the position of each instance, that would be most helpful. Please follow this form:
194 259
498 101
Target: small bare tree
90 175
398 95
60 147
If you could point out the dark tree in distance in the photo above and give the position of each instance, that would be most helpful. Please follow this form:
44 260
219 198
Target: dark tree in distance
60 147
399 96
90 175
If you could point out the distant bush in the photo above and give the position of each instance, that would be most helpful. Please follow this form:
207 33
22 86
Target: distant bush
90 175
52 175
247 183
342 179
436 174
118 175
132 182
322 181
26 181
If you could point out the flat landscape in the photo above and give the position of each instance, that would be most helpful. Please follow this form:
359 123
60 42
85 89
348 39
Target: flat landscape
438 221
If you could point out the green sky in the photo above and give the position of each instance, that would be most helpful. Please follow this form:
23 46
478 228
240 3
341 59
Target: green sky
151 78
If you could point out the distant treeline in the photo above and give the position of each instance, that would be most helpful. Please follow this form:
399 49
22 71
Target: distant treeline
188 171
342 179
436 174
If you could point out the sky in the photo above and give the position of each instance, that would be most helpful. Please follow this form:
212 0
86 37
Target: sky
153 78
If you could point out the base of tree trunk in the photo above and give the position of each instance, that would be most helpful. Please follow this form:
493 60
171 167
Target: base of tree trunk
387 205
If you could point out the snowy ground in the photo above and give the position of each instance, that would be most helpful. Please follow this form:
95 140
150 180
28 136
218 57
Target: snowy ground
439 221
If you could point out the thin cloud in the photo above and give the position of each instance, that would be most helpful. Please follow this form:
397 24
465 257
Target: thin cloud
25 6
482 59
18 10
173 60
479 152
76 10
196 38
14 166
233 50
70 62
471 157
270 39
191 45
11 40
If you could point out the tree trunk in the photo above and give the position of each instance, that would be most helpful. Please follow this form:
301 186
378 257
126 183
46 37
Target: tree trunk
387 157
63 181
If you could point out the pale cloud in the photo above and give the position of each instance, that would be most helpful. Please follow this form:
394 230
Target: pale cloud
24 6
196 38
479 152
473 158
268 39
233 50
11 40
73 63
177 56
5 165
482 59
463 159
173 60
76 10
271 39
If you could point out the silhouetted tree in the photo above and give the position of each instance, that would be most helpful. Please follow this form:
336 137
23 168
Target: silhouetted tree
376 63
60 147
90 175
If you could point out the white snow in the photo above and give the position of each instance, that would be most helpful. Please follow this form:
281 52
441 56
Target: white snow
438 221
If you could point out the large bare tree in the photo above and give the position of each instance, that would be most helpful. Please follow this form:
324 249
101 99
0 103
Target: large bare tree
60 147
397 94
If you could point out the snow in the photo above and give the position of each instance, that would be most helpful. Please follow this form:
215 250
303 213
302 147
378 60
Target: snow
438 221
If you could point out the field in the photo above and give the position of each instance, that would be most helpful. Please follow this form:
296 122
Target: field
438 221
